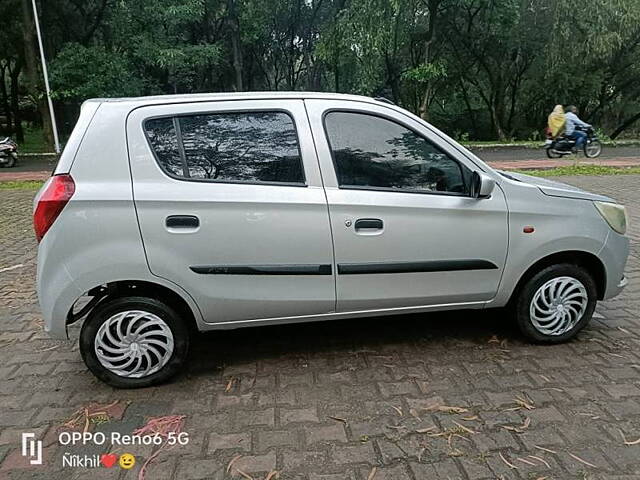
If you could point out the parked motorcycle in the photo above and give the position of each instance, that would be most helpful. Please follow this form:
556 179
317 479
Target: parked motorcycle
561 146
8 153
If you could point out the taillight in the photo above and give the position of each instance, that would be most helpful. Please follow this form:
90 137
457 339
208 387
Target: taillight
51 202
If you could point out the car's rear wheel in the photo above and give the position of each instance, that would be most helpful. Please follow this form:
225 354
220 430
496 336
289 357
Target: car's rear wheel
556 303
133 342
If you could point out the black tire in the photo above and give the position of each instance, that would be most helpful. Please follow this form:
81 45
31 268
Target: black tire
11 161
551 154
525 296
109 308
596 147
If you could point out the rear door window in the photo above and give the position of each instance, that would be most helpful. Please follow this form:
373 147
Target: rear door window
230 147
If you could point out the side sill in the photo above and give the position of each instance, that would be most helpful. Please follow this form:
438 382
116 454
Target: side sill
339 315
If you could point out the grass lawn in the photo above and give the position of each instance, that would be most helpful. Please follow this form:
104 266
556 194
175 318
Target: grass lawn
20 184
33 142
581 170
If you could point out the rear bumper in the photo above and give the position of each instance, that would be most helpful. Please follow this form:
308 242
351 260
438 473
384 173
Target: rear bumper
57 293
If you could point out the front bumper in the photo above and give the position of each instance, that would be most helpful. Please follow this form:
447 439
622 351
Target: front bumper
624 281
614 256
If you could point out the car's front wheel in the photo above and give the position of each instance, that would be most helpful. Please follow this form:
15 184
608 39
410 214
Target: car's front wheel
132 342
556 303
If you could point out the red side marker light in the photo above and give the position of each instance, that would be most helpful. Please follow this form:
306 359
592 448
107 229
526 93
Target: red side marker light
528 229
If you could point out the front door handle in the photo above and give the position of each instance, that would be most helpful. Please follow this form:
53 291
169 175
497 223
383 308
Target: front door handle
182 221
370 223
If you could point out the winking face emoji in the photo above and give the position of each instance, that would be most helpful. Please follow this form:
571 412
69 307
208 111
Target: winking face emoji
127 461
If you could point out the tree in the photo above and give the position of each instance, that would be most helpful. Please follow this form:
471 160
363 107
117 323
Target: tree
493 45
11 66
606 36
32 72
482 69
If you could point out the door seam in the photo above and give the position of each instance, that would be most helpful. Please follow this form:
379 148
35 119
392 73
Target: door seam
142 242
326 199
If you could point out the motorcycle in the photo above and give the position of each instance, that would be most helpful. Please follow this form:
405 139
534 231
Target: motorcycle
8 153
561 146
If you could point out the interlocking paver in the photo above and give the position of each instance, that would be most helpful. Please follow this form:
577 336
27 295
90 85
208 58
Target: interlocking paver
236 441
333 401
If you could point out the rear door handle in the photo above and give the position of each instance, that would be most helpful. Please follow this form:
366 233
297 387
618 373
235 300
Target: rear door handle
182 221
372 223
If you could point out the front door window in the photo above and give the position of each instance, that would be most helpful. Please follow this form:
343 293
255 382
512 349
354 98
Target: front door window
375 153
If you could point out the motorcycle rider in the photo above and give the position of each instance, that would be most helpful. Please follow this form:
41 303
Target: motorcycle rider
556 121
571 122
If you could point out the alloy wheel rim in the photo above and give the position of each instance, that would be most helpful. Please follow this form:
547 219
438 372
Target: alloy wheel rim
134 344
558 305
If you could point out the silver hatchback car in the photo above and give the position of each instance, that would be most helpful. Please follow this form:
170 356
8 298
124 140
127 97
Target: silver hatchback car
172 214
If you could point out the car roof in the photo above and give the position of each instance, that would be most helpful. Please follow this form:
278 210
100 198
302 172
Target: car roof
200 97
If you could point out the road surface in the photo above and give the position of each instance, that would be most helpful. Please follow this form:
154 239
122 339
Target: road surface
516 154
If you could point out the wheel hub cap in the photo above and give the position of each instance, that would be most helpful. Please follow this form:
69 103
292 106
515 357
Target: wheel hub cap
134 344
558 305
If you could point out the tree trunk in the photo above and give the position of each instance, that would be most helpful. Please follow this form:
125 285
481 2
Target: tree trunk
5 100
497 107
15 101
497 124
236 45
32 72
467 103
428 57
624 125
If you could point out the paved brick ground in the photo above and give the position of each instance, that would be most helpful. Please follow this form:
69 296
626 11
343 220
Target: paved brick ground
455 396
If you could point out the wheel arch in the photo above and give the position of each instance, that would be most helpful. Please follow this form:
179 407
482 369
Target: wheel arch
139 288
587 260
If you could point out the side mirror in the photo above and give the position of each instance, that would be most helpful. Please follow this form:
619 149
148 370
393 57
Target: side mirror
481 185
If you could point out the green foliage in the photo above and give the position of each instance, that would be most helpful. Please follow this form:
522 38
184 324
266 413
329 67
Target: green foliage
426 72
33 142
462 137
82 72
493 69
604 138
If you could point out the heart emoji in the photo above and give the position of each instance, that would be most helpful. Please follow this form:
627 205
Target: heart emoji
108 460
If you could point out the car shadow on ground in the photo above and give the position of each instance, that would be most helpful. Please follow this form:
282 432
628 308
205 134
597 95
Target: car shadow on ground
443 330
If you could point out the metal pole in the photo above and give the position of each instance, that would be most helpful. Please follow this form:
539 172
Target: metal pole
54 127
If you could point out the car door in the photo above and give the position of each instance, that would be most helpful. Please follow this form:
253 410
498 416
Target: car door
231 206
406 231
